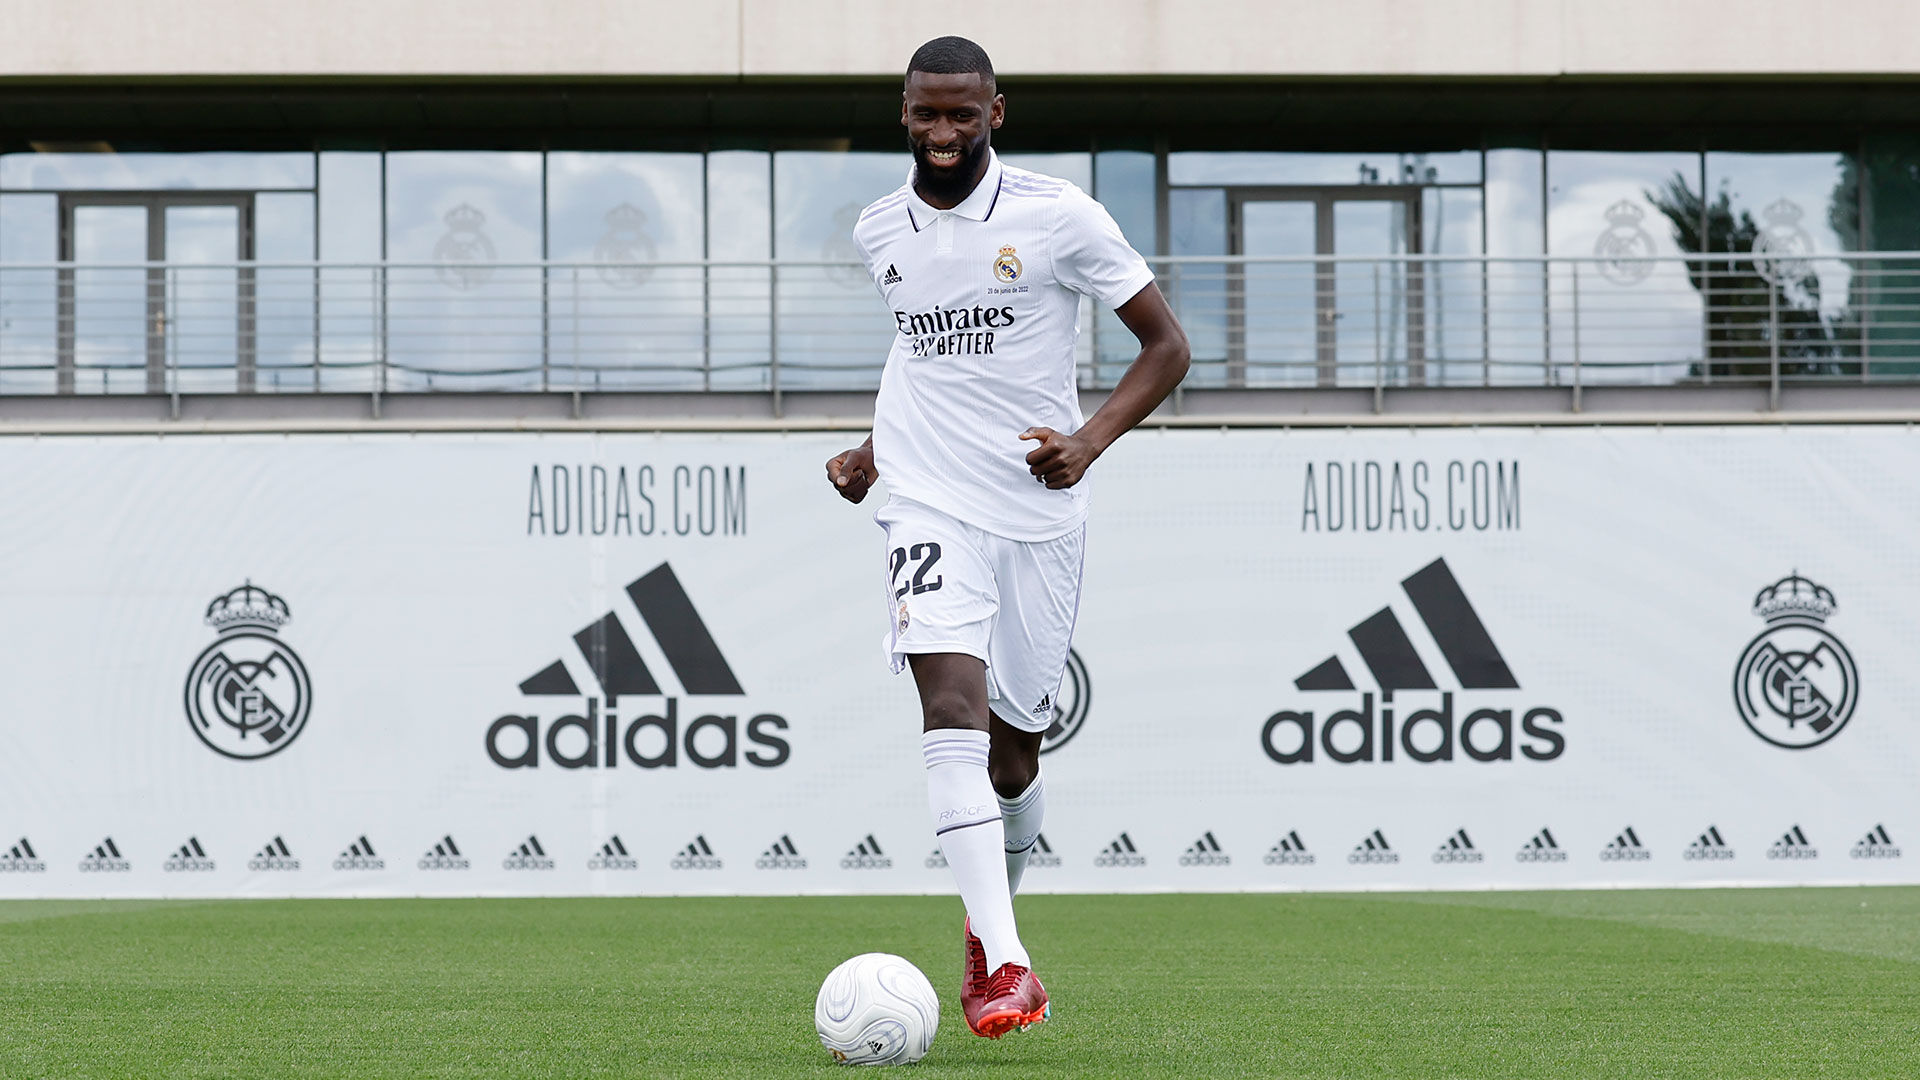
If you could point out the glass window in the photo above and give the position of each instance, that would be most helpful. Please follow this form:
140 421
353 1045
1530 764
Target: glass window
1450 225
1197 225
108 171
1075 168
739 227
1516 284
832 329
464 296
627 323
1123 181
1264 167
285 296
349 229
1789 210
1639 320
29 233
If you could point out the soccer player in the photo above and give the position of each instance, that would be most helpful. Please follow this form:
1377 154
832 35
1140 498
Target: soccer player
978 432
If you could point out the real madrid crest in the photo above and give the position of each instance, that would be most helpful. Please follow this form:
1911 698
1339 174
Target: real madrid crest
1795 685
464 252
1781 247
1624 245
624 248
1007 267
248 694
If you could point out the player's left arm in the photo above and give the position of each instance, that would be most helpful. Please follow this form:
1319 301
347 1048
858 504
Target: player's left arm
1062 459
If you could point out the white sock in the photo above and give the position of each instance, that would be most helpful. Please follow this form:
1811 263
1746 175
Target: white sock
966 822
1020 819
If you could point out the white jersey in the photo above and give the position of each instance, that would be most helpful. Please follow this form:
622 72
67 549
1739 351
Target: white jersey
986 309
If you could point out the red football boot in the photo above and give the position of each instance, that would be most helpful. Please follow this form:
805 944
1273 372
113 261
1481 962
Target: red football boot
973 979
1015 999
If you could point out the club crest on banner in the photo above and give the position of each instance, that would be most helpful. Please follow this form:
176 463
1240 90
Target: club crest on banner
1795 685
248 695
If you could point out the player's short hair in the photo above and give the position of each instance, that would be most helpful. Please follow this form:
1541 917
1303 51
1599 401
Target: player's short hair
951 56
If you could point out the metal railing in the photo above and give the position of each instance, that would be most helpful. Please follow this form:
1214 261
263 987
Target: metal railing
1344 321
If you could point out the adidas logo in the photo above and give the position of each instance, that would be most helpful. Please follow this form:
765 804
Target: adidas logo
1042 856
1710 847
1541 848
21 859
1793 845
1290 851
1625 848
528 856
781 856
1875 845
444 855
274 856
1205 852
696 856
866 855
1120 853
105 859
891 277
1373 849
1423 735
655 740
938 860
1458 849
359 856
191 858
1045 706
612 856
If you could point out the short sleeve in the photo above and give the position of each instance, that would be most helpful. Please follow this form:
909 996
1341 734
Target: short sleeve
1091 256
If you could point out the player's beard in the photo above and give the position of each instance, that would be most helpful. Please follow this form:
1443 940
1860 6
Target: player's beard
950 183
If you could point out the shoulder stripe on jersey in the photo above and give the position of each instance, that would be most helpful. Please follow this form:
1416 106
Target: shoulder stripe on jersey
885 204
997 189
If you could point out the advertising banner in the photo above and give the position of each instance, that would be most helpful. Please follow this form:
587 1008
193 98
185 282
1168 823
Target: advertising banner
550 664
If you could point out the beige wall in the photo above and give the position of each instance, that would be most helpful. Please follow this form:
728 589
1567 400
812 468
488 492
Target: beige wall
729 38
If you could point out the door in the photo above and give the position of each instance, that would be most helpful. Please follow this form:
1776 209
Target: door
152 282
1346 321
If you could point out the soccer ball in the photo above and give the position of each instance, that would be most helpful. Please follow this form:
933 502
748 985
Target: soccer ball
876 1009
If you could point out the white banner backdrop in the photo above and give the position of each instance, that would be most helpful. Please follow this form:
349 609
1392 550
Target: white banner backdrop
574 664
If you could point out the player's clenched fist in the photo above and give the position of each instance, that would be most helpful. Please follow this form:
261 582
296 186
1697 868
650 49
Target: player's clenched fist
853 472
1061 459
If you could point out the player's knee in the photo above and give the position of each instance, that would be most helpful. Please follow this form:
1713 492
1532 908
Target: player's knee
1012 774
950 709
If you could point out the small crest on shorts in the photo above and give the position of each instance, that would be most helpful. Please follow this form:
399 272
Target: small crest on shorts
1007 267
902 620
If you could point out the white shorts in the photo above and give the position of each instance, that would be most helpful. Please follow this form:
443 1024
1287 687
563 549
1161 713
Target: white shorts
953 588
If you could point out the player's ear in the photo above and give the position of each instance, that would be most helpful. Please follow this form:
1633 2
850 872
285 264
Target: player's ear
997 112
903 108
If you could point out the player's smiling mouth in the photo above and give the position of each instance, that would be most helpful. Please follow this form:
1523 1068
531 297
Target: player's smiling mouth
944 158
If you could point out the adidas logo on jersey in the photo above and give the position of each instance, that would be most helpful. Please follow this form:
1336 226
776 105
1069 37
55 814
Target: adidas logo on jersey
444 855
1290 851
528 856
595 738
891 277
1205 852
1458 849
275 856
782 855
866 855
190 858
1369 733
1541 848
1625 848
695 856
1045 706
612 856
20 859
1710 847
1120 853
1875 845
1793 845
105 859
359 856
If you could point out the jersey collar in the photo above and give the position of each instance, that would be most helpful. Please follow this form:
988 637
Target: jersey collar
977 206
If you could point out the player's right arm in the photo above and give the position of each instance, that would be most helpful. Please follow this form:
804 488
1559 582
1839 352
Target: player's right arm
852 473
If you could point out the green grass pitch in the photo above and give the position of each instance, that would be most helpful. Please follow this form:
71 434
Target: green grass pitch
1788 983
